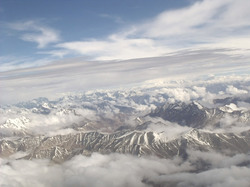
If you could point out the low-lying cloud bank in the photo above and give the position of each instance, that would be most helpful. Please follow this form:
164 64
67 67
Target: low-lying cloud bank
126 170
106 110
77 75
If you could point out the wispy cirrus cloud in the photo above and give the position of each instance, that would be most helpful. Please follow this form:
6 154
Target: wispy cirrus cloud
55 53
33 31
204 24
10 63
116 19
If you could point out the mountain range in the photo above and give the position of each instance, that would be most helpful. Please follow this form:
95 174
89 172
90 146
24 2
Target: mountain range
123 128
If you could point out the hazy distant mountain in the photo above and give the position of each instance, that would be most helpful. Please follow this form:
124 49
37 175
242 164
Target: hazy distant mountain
195 115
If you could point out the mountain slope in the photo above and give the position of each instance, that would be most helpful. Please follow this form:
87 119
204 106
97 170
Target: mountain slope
197 116
63 147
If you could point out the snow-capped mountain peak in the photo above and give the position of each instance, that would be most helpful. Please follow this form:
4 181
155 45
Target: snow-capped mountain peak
16 123
230 108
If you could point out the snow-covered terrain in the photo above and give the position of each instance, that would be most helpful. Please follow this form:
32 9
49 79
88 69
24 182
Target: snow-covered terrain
199 105
201 131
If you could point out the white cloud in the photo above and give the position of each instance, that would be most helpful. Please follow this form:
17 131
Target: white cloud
223 177
126 170
10 63
165 130
217 160
235 91
116 19
58 121
203 24
183 21
79 75
116 47
201 91
36 32
207 23
55 53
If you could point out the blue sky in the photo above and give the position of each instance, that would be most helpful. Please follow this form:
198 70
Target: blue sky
75 20
35 33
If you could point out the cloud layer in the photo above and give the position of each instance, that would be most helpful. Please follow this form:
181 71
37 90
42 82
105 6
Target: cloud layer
35 32
79 75
125 170
204 24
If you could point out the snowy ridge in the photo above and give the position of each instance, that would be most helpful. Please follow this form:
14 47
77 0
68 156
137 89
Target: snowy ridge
62 147
147 121
16 123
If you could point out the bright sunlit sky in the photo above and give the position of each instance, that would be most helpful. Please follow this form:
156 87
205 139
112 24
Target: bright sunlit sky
34 32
